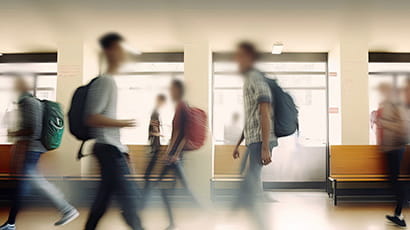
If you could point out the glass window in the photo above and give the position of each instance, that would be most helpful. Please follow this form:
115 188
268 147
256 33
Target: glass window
306 82
40 73
138 88
392 73
300 157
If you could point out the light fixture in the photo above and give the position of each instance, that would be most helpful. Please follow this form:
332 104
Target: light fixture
277 48
1 54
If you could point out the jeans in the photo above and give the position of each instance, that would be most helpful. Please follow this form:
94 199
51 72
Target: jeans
251 187
38 181
148 171
114 168
178 169
394 159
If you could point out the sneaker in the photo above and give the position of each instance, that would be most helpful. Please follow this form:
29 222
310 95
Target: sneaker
67 217
398 221
8 227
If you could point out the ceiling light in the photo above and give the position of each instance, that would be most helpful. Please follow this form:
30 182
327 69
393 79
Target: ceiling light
277 48
1 54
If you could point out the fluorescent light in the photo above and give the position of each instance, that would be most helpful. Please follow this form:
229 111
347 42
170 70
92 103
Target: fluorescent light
277 48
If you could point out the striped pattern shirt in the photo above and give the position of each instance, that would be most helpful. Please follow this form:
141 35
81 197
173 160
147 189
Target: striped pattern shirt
255 90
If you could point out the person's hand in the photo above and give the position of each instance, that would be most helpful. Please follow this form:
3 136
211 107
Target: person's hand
11 133
154 123
265 155
165 158
236 153
128 123
173 159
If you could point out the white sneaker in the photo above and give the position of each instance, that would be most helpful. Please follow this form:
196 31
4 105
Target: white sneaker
8 227
67 217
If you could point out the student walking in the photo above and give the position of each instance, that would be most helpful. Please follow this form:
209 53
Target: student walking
393 139
154 137
258 131
29 140
110 152
175 151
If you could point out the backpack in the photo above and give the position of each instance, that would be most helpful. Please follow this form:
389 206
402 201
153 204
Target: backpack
285 110
76 115
53 124
195 128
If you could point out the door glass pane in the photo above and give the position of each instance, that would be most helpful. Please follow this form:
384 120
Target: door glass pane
300 157
138 88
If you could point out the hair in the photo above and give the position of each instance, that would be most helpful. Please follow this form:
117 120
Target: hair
249 49
179 85
109 39
161 97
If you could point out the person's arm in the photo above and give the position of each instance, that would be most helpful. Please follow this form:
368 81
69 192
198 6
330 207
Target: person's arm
28 116
178 150
264 100
266 126
98 120
236 153
98 97
178 134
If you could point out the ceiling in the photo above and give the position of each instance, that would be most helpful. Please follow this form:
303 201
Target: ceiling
166 25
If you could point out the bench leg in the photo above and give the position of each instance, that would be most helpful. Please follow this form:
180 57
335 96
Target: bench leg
212 191
335 193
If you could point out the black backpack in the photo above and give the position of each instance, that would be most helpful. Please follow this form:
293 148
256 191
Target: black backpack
285 110
76 116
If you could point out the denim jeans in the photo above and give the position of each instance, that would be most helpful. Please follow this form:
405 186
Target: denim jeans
178 169
114 168
251 188
37 180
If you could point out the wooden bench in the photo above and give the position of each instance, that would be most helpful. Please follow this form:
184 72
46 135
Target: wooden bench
361 163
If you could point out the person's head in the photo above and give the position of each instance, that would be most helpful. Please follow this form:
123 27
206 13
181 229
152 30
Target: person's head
161 99
246 55
113 50
177 90
21 85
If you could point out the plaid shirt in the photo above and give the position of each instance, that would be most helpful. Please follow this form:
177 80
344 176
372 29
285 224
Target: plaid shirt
255 91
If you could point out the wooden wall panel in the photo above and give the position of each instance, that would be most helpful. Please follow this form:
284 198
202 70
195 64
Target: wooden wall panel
224 162
5 158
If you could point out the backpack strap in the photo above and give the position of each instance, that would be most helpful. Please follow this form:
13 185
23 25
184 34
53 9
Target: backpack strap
80 152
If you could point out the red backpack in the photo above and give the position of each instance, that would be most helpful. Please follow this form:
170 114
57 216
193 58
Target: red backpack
195 128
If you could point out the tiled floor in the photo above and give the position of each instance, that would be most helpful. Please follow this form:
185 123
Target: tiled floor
292 211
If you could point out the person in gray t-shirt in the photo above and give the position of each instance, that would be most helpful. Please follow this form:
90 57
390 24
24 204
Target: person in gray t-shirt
110 152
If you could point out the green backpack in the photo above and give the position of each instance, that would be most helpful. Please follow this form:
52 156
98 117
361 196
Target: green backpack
53 124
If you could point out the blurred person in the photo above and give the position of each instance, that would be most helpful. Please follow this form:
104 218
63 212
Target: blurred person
154 137
258 131
108 149
175 150
393 137
31 148
233 131
407 105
